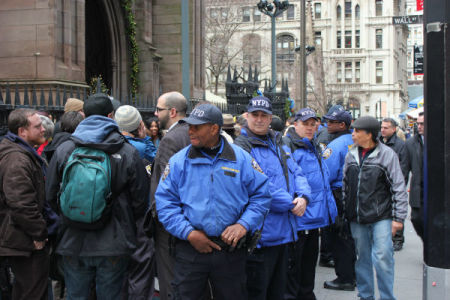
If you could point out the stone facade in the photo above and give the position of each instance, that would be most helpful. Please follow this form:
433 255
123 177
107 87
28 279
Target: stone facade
45 41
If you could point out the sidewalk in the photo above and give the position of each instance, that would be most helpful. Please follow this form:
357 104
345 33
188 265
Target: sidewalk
408 272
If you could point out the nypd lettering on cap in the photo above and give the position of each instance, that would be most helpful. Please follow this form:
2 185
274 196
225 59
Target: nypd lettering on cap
260 103
198 112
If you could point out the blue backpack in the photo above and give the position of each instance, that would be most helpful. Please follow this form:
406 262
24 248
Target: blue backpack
85 196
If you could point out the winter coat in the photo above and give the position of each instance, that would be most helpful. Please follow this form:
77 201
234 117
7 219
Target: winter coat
398 145
198 192
286 183
321 209
22 197
373 187
334 157
414 164
129 183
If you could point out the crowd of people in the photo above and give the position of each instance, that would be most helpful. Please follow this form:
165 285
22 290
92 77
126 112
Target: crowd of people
215 206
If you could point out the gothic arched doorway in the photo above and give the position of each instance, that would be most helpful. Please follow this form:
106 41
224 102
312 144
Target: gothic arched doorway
106 45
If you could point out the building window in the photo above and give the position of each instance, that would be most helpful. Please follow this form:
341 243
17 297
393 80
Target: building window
291 12
318 38
285 56
213 13
246 14
224 13
348 71
357 71
338 39
378 8
256 15
339 72
357 39
348 39
379 38
338 12
357 12
348 9
379 71
318 10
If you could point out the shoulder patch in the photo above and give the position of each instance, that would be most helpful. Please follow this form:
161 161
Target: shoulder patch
323 146
166 172
350 146
148 168
327 153
256 166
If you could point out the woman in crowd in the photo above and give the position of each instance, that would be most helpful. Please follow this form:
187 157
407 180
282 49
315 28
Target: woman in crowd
153 130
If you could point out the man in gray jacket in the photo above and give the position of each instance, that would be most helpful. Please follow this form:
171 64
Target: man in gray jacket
376 203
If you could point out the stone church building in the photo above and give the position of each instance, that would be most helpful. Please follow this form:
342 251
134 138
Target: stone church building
49 43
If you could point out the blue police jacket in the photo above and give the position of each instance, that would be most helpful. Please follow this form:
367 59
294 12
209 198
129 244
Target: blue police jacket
334 157
145 146
198 192
280 225
321 209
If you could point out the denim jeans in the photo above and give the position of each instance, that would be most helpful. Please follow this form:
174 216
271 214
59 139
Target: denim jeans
374 249
108 273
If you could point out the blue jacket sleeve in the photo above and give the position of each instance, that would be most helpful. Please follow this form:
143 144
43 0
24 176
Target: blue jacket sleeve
168 203
302 188
334 161
259 197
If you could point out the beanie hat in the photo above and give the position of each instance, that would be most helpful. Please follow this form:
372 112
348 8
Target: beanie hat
98 104
128 118
73 104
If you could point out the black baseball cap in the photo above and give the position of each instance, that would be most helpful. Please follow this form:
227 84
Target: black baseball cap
98 104
203 114
260 103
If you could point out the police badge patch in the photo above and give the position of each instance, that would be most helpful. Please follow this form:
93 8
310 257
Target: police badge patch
327 153
166 172
256 166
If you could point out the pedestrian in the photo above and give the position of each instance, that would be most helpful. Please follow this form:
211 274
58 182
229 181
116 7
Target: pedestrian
340 239
132 127
23 228
389 138
376 204
97 250
267 266
170 109
414 153
48 134
320 211
211 195
153 130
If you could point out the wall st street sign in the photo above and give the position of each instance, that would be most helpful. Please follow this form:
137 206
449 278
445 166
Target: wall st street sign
405 20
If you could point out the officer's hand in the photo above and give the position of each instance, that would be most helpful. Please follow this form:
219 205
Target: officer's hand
201 243
39 245
396 226
300 206
233 233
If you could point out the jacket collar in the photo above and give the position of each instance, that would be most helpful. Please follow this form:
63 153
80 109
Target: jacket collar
255 140
390 141
298 141
26 148
355 152
226 153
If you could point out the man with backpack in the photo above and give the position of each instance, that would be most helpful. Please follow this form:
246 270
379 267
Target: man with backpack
99 185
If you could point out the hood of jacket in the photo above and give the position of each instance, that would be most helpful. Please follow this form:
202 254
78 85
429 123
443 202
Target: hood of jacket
99 132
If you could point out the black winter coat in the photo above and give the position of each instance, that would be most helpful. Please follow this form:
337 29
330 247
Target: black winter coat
414 164
398 145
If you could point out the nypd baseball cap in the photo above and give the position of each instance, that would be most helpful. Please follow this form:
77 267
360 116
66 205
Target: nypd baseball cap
260 103
340 115
305 114
203 114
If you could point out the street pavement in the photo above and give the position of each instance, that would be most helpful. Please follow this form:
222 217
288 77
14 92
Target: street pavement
408 272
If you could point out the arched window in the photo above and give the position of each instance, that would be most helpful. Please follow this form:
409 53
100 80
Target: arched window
251 51
348 9
357 11
285 56
338 12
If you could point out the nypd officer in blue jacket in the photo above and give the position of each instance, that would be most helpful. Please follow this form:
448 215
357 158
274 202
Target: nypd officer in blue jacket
267 265
342 244
210 196
320 211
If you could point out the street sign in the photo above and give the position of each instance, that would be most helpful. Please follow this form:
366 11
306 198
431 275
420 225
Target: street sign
418 60
402 20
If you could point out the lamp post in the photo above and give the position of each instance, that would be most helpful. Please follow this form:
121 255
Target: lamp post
273 11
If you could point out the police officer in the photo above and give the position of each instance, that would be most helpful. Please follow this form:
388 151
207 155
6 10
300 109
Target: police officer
320 212
210 196
267 265
342 244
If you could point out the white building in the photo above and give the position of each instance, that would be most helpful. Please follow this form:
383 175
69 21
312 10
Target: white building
364 54
415 38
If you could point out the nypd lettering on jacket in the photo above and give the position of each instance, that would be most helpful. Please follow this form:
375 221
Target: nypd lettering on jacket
198 192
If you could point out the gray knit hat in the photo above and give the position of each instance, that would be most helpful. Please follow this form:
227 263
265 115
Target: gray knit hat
128 118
